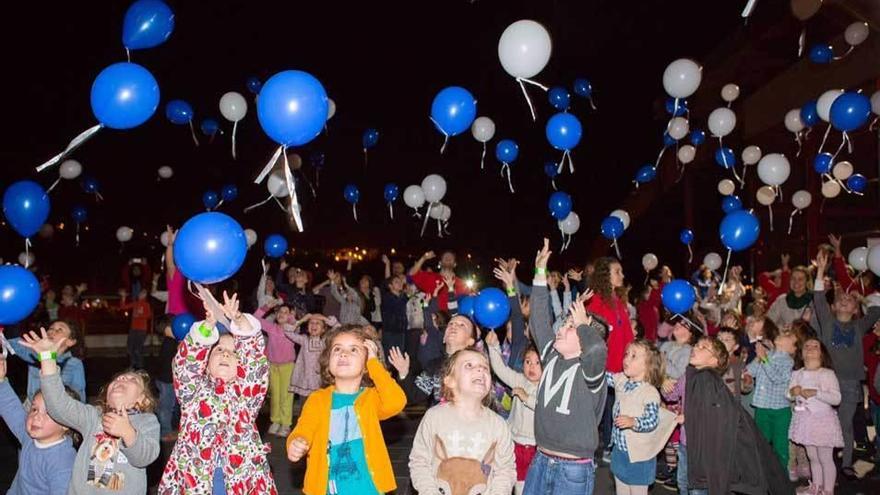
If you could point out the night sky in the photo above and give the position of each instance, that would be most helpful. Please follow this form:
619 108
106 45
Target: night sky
382 62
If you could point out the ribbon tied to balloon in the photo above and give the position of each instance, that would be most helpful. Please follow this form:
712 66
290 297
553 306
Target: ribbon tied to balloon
483 130
564 132
233 107
432 191
179 112
69 169
506 152
453 111
524 50
391 192
352 194
738 231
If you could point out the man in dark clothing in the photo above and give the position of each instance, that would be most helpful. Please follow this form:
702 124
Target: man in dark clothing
394 321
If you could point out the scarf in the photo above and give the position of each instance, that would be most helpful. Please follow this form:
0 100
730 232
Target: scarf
798 302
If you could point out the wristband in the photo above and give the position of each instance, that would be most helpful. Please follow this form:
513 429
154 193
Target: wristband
511 292
47 355
540 271
205 330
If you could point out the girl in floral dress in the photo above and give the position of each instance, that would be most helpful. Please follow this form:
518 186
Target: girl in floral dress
306 376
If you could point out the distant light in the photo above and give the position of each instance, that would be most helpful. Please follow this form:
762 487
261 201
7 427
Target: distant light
393 251
61 226
364 252
469 283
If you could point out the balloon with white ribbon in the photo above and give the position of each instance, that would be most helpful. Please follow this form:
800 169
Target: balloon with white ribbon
766 195
800 200
483 130
726 187
233 107
858 259
69 170
569 226
712 261
524 50
414 197
623 216
686 154
729 93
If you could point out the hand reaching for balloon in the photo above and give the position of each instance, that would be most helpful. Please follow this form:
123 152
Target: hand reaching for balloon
543 256
578 311
491 339
240 325
821 263
449 280
40 343
505 277
835 243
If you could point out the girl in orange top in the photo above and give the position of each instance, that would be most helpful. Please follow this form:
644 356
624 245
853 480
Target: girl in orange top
339 424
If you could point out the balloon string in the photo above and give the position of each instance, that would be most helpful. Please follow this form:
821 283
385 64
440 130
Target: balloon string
592 105
553 183
391 209
483 157
566 155
690 254
439 229
309 183
53 185
778 191
659 157
234 132
291 190
724 277
127 55
445 136
77 234
873 124
354 211
192 131
268 167
528 100
533 83
824 138
427 214
742 180
505 167
446 227
261 203
617 250
847 52
74 144
801 41
219 205
798 140
98 196
280 204
791 220
770 210
685 318
27 252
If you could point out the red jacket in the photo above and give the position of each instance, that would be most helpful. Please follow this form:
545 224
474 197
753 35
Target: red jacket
649 314
427 282
620 331
848 283
774 291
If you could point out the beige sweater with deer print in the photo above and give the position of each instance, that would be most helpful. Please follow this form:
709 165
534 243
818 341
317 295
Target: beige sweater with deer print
456 454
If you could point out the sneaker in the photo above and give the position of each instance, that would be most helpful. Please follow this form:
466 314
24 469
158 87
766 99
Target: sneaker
283 431
606 457
672 482
664 474
273 429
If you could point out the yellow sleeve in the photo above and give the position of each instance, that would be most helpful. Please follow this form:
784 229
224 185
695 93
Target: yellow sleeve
308 420
392 399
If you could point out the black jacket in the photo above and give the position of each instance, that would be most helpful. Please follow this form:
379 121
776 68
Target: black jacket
726 452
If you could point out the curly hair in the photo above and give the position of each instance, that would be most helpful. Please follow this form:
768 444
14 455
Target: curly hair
448 370
147 405
600 281
654 362
359 331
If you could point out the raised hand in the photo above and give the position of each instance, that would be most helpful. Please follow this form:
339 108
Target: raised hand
400 361
505 276
40 343
821 262
543 255
429 256
372 349
565 283
785 258
491 339
297 449
449 280
835 243
385 259
576 275
578 311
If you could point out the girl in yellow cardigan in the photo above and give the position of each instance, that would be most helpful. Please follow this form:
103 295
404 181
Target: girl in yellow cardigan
339 424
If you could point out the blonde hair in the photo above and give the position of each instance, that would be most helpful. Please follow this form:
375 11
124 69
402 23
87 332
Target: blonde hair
448 370
147 405
654 365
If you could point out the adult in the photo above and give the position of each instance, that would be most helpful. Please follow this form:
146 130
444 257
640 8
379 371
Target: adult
296 288
863 283
776 283
428 281
795 304
394 318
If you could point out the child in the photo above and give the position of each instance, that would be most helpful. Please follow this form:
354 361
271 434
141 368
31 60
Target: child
306 376
842 333
815 391
339 425
66 335
168 406
641 428
120 434
571 392
461 446
733 377
140 321
221 383
45 461
676 354
772 373
522 414
281 357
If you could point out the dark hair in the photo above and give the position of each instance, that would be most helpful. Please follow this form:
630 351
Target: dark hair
442 319
600 281
737 336
78 349
770 331
720 353
826 358
324 360
531 348
162 323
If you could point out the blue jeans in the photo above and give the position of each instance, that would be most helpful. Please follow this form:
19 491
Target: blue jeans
167 407
682 476
552 476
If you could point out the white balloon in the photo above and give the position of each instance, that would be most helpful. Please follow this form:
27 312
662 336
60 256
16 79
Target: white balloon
277 184
623 216
712 261
233 106
726 187
483 129
856 33
842 170
765 195
823 104
875 102
830 189
26 259
682 78
874 259
793 120
571 224
123 234
70 169
524 48
414 196
650 261
774 169
434 187
801 199
729 92
751 155
331 108
166 172
446 214
678 128
722 120
436 211
164 238
858 258
251 237
686 154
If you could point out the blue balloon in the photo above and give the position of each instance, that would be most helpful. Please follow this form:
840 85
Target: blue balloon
275 246
91 185
492 308
698 137
26 207
823 162
821 54
391 192
731 203
179 112
810 113
210 127
351 193
725 158
370 138
147 23
254 85
181 325
19 294
612 227
676 109
79 214
551 169
466 306
686 236
292 108
582 87
646 174
210 247
453 110
739 230
850 111
559 98
210 199
560 205
564 131
857 183
229 192
317 158
124 95
678 296
506 151
668 141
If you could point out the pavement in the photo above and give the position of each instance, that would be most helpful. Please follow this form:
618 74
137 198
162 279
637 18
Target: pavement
398 432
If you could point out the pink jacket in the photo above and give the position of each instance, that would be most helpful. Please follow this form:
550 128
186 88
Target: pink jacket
279 348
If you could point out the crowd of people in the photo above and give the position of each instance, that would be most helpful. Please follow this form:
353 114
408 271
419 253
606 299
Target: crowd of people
754 390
